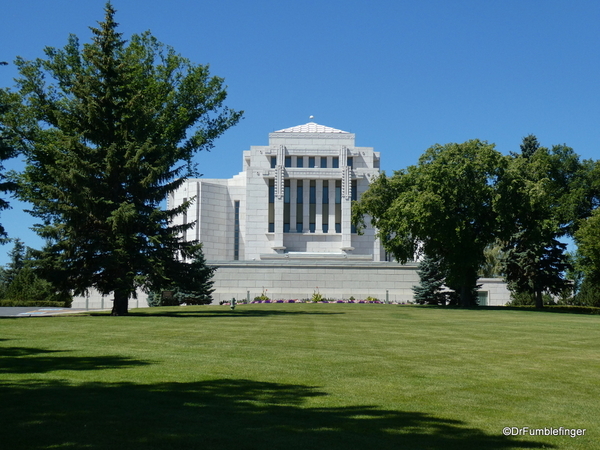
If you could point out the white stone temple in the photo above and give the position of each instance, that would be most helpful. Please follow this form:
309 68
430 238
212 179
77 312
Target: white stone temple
292 200
281 227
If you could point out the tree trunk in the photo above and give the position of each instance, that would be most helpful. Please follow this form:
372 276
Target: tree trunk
120 303
464 297
539 299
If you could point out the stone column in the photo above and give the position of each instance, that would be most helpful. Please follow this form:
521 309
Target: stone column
346 208
331 206
279 193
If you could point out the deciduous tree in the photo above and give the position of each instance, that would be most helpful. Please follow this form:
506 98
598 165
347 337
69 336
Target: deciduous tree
443 207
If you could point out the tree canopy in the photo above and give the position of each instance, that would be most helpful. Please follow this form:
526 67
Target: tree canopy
442 207
108 130
468 208
542 194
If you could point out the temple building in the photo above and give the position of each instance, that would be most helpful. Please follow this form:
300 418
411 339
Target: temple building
292 200
282 226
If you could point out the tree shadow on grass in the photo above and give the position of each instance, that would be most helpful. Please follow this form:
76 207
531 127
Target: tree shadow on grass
556 309
38 360
218 414
240 312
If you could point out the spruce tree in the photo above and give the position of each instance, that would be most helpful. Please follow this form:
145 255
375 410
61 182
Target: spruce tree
7 151
109 129
542 194
195 289
431 281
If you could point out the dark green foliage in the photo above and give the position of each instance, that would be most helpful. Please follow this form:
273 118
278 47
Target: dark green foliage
429 291
588 294
442 207
542 194
527 299
529 146
109 130
17 261
27 287
588 259
20 284
195 288
532 270
7 151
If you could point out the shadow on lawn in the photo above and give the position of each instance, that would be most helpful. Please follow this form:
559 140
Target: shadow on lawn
218 414
239 312
37 360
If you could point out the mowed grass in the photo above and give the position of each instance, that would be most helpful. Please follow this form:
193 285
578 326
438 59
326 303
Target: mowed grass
299 376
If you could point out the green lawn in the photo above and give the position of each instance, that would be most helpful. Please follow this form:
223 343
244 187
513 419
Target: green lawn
299 376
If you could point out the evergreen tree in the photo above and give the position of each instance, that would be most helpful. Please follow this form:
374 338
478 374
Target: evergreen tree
529 146
15 264
16 261
7 151
542 193
431 281
196 289
20 282
106 139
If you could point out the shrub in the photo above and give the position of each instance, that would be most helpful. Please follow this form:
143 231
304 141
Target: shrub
316 297
34 303
262 297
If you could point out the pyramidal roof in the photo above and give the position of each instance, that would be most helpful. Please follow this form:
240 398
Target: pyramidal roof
310 127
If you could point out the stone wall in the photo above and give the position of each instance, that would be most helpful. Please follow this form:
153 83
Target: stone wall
293 279
299 279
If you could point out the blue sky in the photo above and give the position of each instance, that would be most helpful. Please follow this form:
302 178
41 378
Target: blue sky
401 75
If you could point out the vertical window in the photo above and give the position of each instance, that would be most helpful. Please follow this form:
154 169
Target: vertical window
273 162
271 206
236 230
300 161
351 162
338 206
311 161
299 206
336 162
312 210
324 162
325 210
286 206
288 161
299 192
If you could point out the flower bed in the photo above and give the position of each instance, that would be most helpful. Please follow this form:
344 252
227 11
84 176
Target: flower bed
320 301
